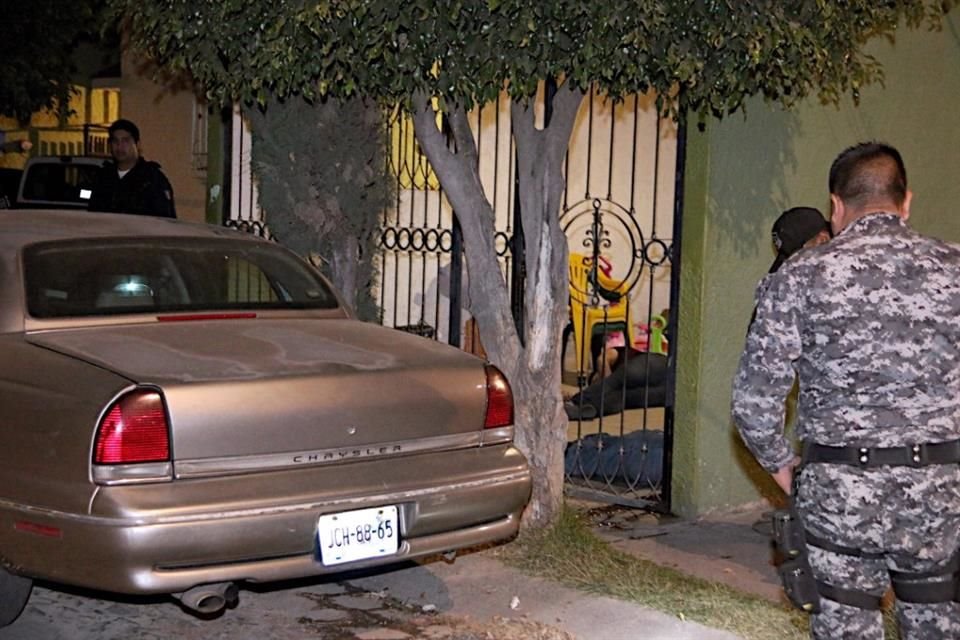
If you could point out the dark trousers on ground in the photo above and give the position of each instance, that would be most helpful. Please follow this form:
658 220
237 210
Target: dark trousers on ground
639 380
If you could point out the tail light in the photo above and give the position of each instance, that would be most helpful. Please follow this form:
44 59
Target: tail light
134 430
499 400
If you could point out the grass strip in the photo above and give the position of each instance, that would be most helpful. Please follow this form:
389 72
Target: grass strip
570 553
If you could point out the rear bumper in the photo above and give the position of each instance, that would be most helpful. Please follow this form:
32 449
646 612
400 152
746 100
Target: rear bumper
166 538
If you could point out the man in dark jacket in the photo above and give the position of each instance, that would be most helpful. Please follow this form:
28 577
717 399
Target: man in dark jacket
131 184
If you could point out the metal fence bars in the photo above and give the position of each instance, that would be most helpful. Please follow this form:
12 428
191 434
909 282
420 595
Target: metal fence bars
620 217
423 283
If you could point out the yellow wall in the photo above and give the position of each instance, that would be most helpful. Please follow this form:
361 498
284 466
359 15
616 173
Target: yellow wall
88 106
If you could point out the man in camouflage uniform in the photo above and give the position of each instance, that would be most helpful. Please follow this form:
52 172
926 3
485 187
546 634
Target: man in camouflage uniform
870 322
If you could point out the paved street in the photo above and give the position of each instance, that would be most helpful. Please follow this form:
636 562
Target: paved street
304 610
475 598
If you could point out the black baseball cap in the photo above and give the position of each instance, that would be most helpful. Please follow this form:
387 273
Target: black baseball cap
125 125
793 229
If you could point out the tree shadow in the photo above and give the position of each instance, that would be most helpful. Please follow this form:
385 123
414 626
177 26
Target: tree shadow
749 193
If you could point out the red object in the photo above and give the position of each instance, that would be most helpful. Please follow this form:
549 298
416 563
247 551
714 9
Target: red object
605 266
135 429
38 529
208 316
499 400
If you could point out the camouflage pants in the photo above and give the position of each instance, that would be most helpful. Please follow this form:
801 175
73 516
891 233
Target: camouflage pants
912 516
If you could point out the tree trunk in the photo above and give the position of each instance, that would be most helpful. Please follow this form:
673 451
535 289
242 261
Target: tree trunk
344 270
533 364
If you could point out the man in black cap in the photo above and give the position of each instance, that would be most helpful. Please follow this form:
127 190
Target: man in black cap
796 229
130 184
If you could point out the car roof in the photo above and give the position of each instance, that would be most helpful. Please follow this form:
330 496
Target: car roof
45 182
92 160
21 227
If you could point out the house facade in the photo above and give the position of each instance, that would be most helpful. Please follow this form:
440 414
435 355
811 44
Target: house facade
173 124
739 174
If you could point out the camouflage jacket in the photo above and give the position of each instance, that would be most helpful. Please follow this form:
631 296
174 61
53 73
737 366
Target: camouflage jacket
870 323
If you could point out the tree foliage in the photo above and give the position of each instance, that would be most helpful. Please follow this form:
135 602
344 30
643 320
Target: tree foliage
717 52
36 48
323 183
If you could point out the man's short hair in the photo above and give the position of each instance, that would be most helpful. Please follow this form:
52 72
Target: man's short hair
867 172
124 125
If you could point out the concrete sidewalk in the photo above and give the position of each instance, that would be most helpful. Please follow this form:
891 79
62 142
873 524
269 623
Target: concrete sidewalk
733 548
480 587
475 598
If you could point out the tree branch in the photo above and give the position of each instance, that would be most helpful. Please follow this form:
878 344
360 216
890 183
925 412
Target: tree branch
540 155
529 150
425 127
463 134
458 171
522 120
566 105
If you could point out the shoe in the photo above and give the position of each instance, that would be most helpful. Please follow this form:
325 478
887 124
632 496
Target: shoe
577 412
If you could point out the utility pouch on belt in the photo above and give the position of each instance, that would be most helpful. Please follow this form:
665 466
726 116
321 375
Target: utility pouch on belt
795 572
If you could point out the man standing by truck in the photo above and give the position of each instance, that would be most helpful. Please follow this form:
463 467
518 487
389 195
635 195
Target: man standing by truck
130 184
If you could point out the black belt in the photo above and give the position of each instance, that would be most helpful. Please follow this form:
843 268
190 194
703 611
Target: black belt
916 455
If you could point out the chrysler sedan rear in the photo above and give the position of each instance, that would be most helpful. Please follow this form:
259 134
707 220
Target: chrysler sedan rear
187 407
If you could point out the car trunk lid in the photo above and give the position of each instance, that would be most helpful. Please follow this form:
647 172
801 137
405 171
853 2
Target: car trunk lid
274 392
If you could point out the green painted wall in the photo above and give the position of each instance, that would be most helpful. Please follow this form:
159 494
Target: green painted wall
741 173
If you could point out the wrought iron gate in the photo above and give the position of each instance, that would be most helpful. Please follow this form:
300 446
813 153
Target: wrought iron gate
422 283
621 217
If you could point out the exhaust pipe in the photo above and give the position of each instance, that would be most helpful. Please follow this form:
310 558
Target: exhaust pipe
209 599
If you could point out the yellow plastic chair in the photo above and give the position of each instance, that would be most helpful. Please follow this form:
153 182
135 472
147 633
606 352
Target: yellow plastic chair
590 319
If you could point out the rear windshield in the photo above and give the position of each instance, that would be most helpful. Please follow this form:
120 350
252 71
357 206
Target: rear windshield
117 276
63 183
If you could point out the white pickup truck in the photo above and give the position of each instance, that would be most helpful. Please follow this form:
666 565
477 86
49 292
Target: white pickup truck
57 182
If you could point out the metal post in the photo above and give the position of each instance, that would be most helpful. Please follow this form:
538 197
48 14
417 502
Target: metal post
673 322
226 144
456 282
518 268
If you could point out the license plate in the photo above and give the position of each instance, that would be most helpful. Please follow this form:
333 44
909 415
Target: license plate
357 535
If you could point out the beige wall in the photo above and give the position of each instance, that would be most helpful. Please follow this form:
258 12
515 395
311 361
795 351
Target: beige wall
166 117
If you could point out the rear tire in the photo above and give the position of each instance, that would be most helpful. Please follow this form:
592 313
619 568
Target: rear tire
14 593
